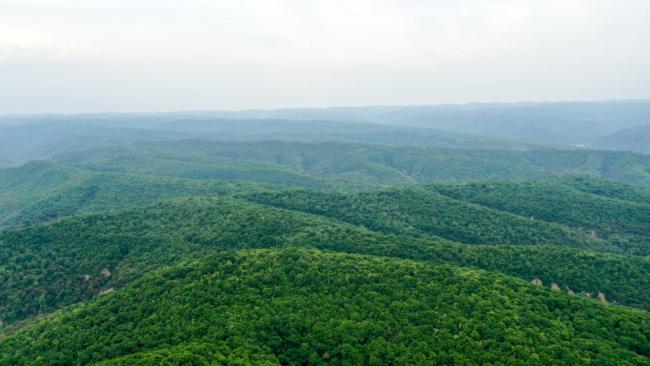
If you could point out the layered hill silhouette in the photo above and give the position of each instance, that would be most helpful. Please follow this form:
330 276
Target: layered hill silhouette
180 249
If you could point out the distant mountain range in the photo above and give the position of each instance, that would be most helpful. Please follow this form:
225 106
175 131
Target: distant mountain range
557 122
465 235
633 139
487 126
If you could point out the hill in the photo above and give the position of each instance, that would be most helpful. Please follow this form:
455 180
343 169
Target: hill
425 214
563 122
29 139
276 252
622 222
41 191
294 306
25 138
513 213
554 212
21 187
609 189
357 165
488 126
633 139
552 122
47 267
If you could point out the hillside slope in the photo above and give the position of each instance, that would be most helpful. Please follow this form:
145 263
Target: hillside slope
354 165
38 192
294 306
600 187
25 138
633 139
554 122
624 223
427 214
51 266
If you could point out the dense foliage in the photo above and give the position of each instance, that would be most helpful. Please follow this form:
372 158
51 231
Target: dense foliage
417 212
345 165
50 266
624 223
200 252
307 306
40 192
590 184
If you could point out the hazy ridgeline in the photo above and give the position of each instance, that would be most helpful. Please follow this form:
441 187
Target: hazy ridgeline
460 234
619 125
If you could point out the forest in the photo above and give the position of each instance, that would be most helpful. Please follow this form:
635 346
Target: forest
324 183
229 239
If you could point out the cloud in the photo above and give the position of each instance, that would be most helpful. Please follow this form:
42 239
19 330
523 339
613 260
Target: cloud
265 53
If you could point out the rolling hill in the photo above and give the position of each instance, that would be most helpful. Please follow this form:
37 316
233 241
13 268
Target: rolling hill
292 306
358 165
50 266
553 212
609 189
41 191
623 222
632 139
166 241
26 138
423 214
551 122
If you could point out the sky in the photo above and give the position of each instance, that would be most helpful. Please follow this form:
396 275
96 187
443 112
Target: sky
77 56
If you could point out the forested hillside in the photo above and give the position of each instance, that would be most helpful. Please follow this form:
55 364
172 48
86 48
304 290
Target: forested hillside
354 165
622 222
298 306
606 188
180 249
39 192
420 213
327 214
54 265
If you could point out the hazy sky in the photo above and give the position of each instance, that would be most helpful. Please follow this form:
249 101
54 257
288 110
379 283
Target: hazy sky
157 55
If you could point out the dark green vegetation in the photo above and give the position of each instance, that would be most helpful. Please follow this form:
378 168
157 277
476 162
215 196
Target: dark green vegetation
40 191
300 306
421 213
143 240
489 212
59 264
624 223
354 166
607 189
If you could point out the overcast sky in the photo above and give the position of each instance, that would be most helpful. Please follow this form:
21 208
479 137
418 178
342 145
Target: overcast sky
156 55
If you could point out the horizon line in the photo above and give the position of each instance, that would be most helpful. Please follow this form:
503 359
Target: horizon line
360 106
